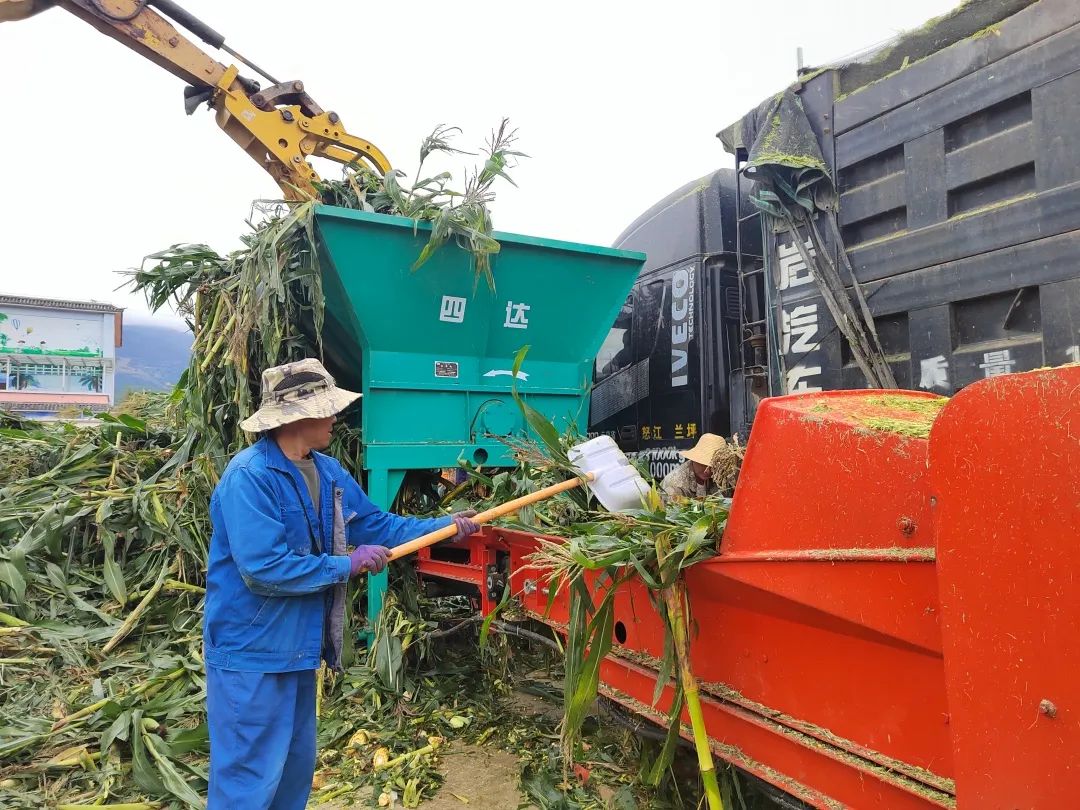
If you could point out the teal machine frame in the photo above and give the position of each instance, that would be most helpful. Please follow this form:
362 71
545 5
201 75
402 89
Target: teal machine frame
432 349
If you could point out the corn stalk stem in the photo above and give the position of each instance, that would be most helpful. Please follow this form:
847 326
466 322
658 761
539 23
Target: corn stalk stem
419 752
172 585
177 585
335 793
129 623
675 601
138 690
116 461
123 806
319 685
12 621
212 352
74 761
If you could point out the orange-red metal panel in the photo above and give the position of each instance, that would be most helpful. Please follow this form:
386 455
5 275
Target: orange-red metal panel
821 613
817 670
820 775
481 557
1005 471
858 646
822 474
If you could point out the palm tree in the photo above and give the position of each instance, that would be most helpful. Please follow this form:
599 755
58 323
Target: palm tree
91 379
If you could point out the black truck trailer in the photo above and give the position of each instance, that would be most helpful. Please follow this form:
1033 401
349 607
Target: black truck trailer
926 196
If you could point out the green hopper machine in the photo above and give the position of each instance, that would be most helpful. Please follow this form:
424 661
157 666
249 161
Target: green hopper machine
432 349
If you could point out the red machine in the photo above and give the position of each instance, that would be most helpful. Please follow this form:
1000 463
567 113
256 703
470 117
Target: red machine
889 621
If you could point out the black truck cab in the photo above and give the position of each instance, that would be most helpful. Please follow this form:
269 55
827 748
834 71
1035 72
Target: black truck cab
662 375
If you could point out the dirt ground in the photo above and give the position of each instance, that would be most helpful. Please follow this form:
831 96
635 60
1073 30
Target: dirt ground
487 779
476 778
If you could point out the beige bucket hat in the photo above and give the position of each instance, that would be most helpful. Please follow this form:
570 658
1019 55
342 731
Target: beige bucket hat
295 391
708 444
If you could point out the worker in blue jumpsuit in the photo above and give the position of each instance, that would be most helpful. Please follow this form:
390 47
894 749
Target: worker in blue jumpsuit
284 517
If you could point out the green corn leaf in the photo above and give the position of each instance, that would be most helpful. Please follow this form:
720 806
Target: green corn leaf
171 779
187 740
485 628
113 573
671 740
14 581
117 731
146 775
667 668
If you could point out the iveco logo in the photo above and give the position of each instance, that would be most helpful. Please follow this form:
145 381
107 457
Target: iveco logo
682 323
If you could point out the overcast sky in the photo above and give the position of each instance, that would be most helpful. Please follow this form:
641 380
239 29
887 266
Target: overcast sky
617 103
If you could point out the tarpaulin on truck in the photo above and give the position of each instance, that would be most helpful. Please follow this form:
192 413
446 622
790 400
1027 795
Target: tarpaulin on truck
784 157
792 184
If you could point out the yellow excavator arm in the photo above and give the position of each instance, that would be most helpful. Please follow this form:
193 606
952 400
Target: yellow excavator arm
280 126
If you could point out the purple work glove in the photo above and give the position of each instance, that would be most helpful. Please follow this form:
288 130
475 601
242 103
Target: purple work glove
465 526
372 559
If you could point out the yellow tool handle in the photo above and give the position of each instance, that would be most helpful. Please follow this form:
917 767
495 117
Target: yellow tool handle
486 516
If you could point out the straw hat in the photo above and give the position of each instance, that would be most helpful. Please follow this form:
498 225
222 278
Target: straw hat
708 445
295 391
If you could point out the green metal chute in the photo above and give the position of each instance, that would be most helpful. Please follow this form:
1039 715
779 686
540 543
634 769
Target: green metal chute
432 350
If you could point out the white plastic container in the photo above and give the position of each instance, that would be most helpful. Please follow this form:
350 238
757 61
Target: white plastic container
618 485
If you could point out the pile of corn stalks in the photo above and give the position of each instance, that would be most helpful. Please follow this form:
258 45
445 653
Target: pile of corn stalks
100 668
102 546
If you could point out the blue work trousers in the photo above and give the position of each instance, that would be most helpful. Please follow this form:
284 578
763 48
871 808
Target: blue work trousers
262 739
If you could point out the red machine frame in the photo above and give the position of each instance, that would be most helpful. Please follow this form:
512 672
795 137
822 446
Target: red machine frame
889 621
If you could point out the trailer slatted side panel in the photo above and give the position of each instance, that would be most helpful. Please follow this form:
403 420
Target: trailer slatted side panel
959 181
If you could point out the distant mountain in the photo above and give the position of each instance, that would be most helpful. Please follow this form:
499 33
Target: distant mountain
151 359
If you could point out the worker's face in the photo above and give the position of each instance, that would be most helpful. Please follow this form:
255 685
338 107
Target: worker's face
701 472
315 433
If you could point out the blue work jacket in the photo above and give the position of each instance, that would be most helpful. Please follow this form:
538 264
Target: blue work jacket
274 577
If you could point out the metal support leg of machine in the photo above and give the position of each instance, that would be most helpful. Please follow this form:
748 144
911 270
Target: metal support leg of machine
383 486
